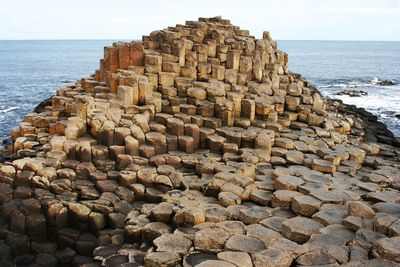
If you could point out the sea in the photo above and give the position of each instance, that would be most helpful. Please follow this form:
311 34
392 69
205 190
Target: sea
31 71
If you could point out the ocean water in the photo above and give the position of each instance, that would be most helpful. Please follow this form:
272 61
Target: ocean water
31 71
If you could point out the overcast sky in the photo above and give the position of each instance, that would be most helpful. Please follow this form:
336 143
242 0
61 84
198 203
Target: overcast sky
130 19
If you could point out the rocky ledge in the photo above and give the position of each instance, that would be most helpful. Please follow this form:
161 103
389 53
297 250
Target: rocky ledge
197 147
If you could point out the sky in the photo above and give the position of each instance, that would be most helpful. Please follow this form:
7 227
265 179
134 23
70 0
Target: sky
130 19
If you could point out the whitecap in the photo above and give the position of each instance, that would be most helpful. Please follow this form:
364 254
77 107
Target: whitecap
375 80
6 110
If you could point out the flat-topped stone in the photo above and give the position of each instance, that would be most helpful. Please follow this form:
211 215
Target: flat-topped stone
253 215
300 229
244 243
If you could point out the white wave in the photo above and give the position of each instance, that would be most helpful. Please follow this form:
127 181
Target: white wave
355 83
347 84
8 109
375 80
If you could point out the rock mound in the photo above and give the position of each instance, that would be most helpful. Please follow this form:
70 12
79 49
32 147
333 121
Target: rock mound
197 147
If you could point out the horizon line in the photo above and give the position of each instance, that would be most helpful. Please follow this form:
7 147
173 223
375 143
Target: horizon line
124 39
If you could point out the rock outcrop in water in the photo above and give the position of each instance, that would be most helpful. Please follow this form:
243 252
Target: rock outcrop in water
352 93
197 147
385 83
